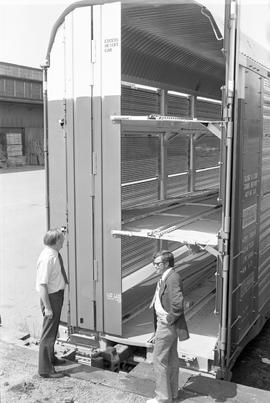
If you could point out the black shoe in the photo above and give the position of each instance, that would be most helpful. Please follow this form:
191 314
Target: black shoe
53 375
58 361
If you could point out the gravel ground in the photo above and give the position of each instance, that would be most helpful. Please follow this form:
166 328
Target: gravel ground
20 382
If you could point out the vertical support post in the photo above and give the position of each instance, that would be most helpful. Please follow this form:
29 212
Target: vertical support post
230 52
222 152
163 102
163 167
46 155
163 178
191 160
163 150
191 164
192 106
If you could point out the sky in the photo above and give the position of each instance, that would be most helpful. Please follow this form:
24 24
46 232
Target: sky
25 26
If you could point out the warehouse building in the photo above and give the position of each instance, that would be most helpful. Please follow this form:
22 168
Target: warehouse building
21 116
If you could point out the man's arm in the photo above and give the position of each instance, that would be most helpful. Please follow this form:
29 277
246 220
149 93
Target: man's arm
176 299
44 295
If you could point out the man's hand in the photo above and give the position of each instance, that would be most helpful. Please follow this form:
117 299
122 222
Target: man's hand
43 289
152 338
48 312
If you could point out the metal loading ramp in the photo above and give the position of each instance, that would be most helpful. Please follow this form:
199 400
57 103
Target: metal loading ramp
187 222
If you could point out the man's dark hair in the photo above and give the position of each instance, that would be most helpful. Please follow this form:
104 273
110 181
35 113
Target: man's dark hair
52 236
166 255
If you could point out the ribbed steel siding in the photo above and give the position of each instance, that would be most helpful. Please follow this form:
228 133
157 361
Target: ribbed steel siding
264 252
139 154
266 145
207 148
207 155
172 44
136 253
208 110
139 101
264 248
177 163
139 161
178 106
22 89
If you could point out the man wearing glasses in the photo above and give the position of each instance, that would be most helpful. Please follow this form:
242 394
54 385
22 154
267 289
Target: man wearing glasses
170 326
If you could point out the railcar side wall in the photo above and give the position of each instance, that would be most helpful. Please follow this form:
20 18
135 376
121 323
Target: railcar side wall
250 250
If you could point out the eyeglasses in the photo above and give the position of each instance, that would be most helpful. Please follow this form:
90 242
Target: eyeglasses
157 263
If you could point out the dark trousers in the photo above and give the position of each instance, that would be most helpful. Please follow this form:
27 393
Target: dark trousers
49 333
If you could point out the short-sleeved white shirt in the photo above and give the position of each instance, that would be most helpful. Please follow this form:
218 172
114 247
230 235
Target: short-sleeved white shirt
49 271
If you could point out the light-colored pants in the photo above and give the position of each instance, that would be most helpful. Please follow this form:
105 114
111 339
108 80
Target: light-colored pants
165 360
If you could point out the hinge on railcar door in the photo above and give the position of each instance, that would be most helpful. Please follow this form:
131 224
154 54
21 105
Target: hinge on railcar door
95 278
92 61
92 185
92 175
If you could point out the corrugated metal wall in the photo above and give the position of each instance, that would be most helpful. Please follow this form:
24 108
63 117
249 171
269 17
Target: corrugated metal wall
140 153
178 106
264 246
177 164
207 110
23 89
140 162
207 155
173 45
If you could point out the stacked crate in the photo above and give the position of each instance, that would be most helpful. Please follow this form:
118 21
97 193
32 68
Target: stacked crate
15 155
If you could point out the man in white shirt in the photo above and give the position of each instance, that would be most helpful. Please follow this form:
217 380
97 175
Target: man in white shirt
50 283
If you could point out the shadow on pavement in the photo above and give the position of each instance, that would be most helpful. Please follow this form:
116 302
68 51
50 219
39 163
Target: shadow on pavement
216 390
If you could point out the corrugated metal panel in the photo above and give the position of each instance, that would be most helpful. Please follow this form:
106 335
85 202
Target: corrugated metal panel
13 70
178 154
265 223
9 87
177 163
207 155
19 89
245 287
139 101
264 252
173 44
207 151
139 161
266 139
177 106
13 88
207 179
177 185
208 110
136 253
